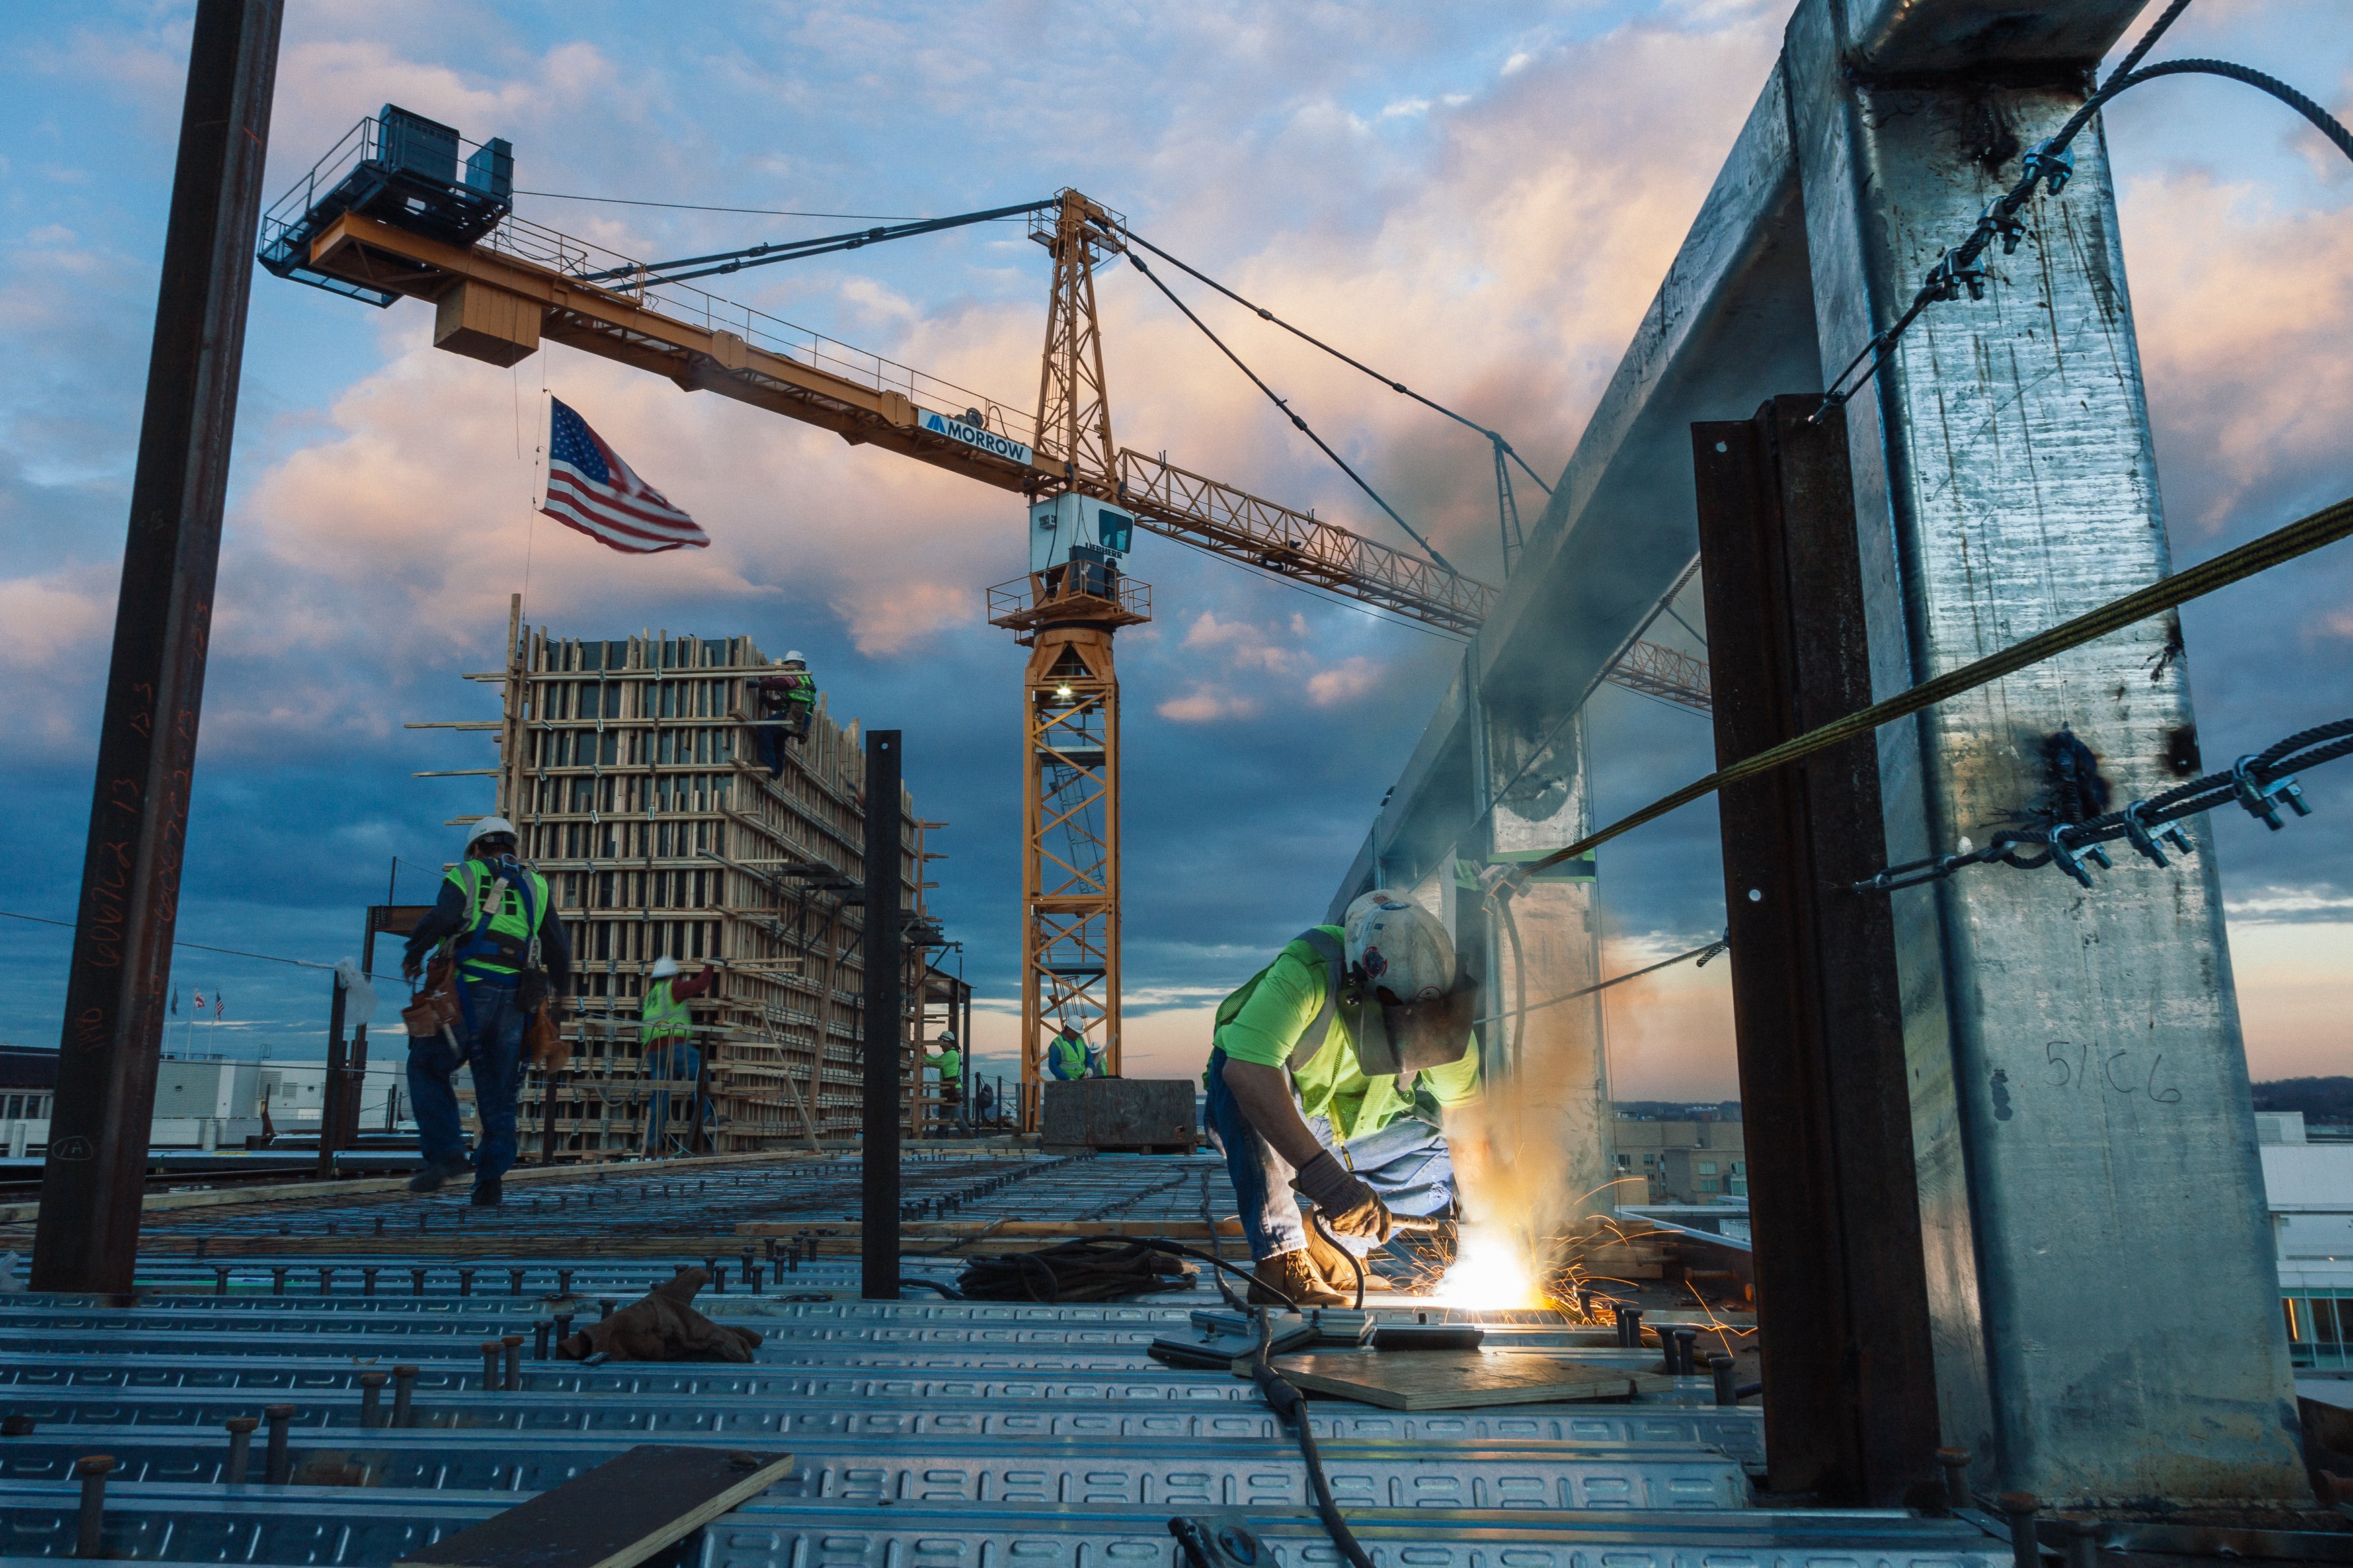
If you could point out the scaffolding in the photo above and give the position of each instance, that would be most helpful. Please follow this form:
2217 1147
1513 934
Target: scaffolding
629 771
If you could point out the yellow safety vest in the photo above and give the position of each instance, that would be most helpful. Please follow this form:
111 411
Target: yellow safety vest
664 1016
496 949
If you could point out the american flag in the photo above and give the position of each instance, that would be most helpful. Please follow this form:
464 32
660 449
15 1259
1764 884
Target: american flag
590 488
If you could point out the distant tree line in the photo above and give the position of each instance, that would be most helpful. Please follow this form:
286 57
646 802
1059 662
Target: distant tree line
1679 1110
2322 1099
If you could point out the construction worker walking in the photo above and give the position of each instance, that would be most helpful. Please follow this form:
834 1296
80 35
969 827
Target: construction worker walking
508 959
787 707
1330 1071
667 1029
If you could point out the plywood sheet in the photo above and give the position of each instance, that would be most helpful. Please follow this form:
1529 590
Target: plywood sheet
1461 1380
619 1513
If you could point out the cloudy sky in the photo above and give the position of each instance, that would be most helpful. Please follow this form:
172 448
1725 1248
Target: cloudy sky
1478 199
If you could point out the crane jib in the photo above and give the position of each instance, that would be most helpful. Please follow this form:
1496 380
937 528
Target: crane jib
973 436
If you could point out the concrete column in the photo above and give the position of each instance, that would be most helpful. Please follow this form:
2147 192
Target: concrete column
1550 1067
2105 1301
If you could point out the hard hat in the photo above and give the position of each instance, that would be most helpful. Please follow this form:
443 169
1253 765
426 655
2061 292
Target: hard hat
486 828
1417 1007
792 655
665 967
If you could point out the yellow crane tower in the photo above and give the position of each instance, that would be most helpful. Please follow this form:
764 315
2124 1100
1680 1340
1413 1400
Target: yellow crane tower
391 213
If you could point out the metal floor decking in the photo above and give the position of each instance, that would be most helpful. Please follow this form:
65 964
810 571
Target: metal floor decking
926 1431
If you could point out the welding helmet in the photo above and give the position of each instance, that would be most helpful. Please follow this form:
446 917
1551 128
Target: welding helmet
1413 1004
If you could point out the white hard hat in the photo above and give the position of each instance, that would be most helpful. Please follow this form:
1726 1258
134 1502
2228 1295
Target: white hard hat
487 827
1400 947
792 655
665 967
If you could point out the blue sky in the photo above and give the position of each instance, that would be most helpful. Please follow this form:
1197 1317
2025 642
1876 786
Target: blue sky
1479 199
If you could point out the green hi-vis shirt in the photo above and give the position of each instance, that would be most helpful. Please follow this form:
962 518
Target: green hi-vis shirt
1262 1021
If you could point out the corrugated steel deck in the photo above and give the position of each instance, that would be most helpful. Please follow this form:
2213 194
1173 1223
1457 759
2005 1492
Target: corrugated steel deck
927 1431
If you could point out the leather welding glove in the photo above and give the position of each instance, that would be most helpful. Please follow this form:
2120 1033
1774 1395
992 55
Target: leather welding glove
1350 1207
662 1326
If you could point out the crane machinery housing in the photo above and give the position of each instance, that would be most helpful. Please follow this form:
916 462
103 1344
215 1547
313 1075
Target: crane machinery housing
391 212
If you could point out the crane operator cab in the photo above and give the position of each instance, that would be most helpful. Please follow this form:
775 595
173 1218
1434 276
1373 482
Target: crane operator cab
1076 543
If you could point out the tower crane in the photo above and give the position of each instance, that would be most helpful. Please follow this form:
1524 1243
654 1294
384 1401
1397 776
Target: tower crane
403 207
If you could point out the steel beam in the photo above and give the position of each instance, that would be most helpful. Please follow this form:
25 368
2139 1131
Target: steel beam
2081 1110
92 1181
882 1026
1841 1294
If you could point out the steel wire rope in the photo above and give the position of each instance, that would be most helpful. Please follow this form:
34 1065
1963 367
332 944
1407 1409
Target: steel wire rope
2048 161
768 253
2297 538
2262 783
1301 425
1703 954
703 207
200 947
1391 382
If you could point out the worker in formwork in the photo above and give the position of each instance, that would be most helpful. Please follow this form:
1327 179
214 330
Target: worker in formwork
666 1028
508 958
787 707
1331 1072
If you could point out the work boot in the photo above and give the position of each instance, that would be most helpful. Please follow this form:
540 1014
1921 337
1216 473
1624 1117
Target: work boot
434 1178
1295 1275
487 1194
1332 1264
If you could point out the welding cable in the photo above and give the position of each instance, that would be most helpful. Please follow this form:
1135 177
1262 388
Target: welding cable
1218 1247
1394 384
1301 425
1703 954
2048 163
200 947
1161 1244
1315 1218
1290 1407
2280 545
949 1291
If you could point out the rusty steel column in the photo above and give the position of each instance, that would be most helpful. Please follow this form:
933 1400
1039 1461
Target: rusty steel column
94 1180
1842 1289
878 1212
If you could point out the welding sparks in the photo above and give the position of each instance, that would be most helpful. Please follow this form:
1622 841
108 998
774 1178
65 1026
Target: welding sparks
1492 1269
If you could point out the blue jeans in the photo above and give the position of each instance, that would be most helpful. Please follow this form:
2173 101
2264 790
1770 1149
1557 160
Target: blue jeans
494 1025
1405 1162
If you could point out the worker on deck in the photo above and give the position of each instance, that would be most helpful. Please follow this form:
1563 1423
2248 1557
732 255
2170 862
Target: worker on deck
950 1063
667 1030
1330 1072
1067 1056
509 959
787 706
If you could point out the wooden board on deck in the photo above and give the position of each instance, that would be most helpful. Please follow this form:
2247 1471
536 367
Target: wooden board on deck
1461 1380
619 1513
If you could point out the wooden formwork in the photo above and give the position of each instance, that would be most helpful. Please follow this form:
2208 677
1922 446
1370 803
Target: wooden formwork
635 787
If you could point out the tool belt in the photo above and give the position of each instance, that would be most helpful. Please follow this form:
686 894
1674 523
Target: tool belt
433 1012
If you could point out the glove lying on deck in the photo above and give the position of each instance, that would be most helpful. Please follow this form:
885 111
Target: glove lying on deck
662 1326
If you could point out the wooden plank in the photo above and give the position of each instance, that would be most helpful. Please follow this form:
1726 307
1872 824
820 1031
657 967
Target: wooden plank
619 1513
1462 1380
